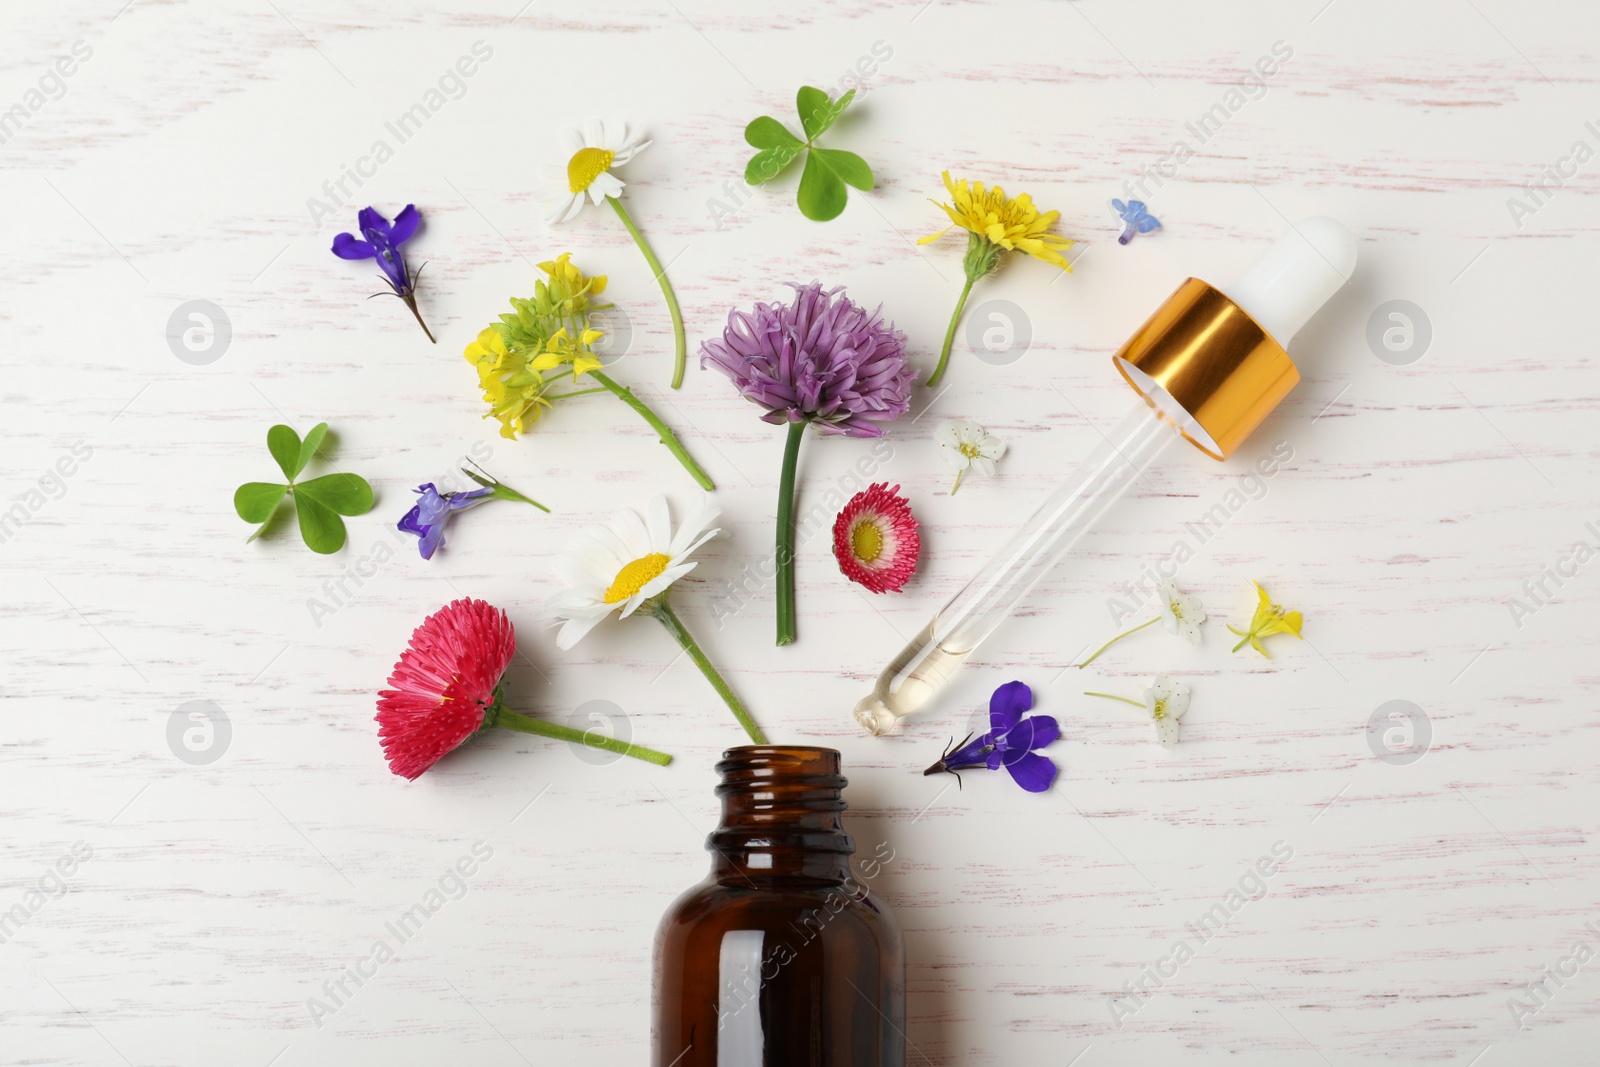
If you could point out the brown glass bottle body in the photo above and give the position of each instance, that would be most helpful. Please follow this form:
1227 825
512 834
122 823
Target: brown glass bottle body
783 956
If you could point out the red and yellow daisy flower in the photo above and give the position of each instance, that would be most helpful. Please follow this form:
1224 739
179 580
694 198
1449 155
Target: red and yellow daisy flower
875 539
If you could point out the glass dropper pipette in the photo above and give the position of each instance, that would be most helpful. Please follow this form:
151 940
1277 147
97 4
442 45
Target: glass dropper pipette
1208 366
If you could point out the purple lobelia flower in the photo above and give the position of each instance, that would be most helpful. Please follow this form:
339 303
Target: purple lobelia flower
821 361
381 240
428 517
1012 742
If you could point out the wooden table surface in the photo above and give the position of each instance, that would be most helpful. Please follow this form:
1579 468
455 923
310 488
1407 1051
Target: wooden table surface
211 906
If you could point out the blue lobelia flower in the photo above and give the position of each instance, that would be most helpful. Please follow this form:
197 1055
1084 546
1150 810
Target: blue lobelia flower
1135 219
427 519
382 241
1012 742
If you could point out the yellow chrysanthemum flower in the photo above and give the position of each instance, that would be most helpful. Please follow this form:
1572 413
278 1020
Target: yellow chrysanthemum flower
996 224
1010 223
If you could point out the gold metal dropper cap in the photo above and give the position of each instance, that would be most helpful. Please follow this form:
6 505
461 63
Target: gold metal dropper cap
1205 353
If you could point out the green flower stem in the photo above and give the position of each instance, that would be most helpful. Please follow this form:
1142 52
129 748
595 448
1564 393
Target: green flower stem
411 302
950 333
577 392
1113 641
668 438
505 492
512 720
1113 696
666 289
659 607
785 548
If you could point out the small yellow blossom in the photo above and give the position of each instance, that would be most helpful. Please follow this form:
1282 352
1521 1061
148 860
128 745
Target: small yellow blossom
1011 223
514 391
1269 619
561 349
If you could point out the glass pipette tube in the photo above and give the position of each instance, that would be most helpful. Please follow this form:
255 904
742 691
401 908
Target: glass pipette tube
924 666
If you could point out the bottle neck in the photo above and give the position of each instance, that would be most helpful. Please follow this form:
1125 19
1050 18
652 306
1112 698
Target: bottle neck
781 809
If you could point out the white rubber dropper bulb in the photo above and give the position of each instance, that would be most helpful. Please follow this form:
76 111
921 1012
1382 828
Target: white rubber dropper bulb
1296 276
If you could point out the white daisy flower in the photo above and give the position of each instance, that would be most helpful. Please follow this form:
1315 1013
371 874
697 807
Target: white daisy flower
619 566
1181 614
967 446
591 155
1166 701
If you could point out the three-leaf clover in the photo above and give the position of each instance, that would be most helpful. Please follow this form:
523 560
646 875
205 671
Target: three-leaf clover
822 184
319 502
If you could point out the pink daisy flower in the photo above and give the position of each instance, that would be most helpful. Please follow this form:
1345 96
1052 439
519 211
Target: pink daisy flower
447 688
444 684
875 539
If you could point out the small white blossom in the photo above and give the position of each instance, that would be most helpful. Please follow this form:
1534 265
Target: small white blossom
967 446
1181 614
1166 701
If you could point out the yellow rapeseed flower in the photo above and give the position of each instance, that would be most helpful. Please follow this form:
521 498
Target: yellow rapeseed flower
1269 619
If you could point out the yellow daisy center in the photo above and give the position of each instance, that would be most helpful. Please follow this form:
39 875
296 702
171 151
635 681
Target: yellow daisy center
866 542
587 165
636 575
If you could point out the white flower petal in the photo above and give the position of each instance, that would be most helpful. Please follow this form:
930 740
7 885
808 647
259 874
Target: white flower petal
693 532
574 629
1167 731
630 530
604 185
573 208
659 522
1178 701
627 152
983 465
571 141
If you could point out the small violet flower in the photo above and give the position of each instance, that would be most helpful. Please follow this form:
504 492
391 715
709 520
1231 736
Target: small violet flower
428 517
1135 219
1012 742
381 240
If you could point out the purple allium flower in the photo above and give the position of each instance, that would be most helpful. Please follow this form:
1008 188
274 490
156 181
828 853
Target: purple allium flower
820 359
1011 742
382 242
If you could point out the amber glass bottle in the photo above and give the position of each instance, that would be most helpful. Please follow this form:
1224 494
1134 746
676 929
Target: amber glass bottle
783 956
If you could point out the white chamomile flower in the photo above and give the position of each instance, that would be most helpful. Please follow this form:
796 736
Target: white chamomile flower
1166 701
967 446
591 154
621 565
1181 614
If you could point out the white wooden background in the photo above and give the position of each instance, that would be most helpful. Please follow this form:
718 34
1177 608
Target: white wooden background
218 899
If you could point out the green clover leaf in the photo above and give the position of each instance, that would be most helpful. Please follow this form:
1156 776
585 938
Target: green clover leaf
318 502
822 192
